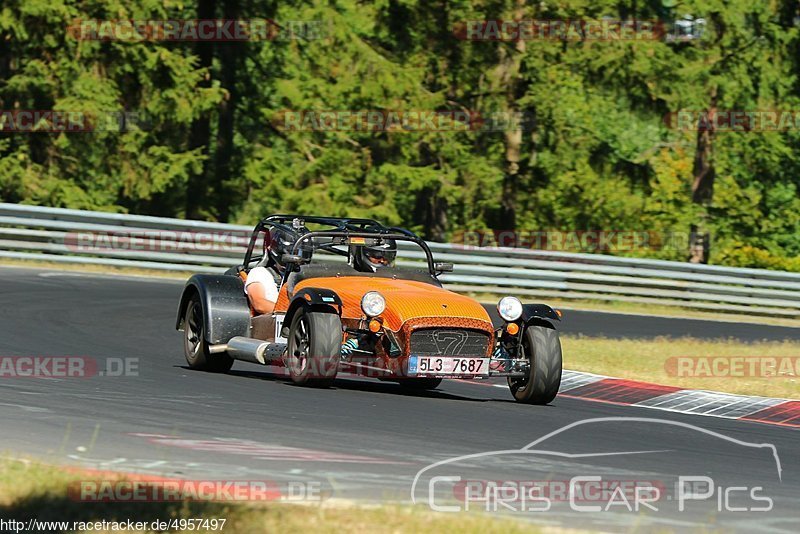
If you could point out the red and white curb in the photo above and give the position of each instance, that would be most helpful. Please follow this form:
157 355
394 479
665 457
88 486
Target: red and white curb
599 388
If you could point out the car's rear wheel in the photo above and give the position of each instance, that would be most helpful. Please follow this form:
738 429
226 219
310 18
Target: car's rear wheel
542 348
314 349
195 347
420 384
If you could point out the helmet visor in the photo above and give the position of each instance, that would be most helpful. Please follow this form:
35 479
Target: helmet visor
383 256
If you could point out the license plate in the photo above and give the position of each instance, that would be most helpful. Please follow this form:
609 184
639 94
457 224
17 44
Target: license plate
447 366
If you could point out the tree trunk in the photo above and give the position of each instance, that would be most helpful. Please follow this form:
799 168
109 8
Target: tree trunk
229 61
197 187
703 183
703 169
509 72
431 211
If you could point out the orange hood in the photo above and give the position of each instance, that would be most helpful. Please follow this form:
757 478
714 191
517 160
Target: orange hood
405 299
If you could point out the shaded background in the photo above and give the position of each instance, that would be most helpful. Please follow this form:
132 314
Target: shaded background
596 154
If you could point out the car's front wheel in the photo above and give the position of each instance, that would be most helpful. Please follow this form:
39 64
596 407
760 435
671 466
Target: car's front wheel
195 347
314 348
542 348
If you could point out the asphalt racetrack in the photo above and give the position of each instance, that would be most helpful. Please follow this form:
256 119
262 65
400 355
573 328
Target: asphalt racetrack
367 440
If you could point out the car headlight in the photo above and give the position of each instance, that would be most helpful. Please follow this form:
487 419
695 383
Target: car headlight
373 303
509 308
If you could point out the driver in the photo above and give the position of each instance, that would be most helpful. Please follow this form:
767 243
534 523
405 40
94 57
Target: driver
261 286
371 258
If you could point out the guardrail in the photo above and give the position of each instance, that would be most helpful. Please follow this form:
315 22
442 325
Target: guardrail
55 234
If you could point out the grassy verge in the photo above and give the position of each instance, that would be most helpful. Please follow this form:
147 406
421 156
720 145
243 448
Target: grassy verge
671 311
33 490
656 360
95 269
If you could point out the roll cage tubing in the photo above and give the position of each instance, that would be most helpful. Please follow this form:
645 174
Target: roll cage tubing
342 227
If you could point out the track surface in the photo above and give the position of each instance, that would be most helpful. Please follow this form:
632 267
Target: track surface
250 423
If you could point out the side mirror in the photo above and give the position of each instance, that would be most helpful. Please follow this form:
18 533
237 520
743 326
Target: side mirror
441 267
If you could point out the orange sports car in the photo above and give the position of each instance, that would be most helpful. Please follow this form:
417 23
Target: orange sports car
358 297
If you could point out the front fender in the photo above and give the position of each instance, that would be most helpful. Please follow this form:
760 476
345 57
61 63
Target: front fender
226 312
313 298
534 312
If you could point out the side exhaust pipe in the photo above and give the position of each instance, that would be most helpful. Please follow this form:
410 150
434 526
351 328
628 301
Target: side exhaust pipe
248 349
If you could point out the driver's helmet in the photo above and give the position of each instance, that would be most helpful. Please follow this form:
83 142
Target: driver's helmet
371 258
283 243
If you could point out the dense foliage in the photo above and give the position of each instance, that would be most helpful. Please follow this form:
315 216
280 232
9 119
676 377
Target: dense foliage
595 152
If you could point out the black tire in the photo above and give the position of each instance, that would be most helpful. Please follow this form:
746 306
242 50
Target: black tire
314 349
420 384
540 344
195 347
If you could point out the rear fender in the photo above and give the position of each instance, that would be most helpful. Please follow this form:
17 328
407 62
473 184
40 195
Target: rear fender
225 309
